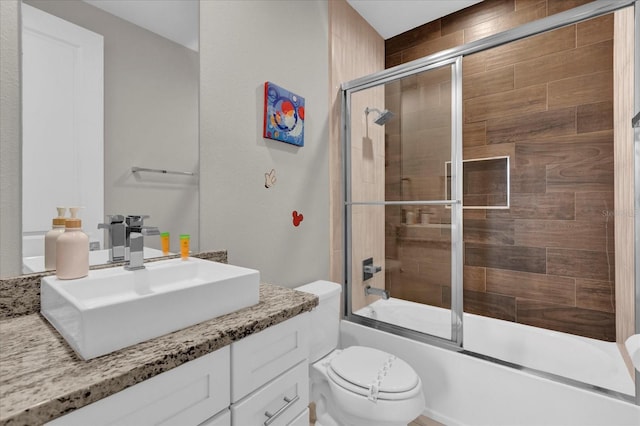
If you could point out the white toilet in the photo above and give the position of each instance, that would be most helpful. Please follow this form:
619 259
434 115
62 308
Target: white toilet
356 386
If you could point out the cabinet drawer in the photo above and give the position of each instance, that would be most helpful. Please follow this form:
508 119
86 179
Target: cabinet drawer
301 420
262 356
220 419
276 404
186 395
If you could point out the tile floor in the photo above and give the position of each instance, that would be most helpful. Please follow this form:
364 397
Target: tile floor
424 421
420 421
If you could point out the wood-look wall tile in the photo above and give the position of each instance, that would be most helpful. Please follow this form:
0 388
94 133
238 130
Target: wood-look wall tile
584 322
474 63
515 258
391 61
552 206
541 287
595 117
557 6
513 102
531 47
595 30
571 149
494 150
413 37
488 82
595 265
551 123
505 22
523 4
574 234
486 304
476 14
571 63
528 179
435 272
414 289
595 176
474 278
474 134
474 213
596 295
492 231
595 206
584 89
432 46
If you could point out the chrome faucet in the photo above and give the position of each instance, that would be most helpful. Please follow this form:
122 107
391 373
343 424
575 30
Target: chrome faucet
134 241
368 290
116 229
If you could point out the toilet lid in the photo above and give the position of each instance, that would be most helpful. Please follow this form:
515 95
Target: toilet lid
369 371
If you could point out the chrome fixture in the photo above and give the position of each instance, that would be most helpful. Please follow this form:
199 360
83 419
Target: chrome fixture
134 248
368 290
116 229
383 116
368 269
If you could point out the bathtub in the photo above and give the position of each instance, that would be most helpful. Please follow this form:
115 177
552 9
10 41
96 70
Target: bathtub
465 390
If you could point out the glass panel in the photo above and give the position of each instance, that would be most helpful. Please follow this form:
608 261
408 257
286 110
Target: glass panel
401 139
485 183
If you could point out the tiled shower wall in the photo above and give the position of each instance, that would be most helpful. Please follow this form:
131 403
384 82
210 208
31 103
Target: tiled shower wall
546 102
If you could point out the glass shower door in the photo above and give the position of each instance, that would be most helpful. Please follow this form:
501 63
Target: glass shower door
403 154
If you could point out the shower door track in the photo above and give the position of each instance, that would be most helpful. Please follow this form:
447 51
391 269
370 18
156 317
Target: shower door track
569 17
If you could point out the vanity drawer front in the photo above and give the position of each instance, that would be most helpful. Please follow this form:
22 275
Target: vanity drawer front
186 395
220 419
301 420
259 358
278 403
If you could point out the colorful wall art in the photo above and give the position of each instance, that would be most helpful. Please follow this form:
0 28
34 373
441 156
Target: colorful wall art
283 115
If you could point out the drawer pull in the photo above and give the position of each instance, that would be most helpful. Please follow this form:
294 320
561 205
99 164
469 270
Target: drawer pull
272 417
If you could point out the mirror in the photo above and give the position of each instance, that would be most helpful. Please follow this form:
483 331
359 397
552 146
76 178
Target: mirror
149 112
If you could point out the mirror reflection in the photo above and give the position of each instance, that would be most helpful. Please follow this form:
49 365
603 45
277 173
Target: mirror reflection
104 93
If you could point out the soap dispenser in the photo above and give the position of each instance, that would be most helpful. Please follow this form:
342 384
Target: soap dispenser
51 237
72 250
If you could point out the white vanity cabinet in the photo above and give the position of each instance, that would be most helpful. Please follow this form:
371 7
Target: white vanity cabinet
194 393
270 375
262 379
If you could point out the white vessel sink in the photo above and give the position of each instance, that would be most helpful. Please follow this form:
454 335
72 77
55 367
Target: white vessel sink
114 308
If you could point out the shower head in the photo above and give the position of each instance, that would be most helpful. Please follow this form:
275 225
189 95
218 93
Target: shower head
383 116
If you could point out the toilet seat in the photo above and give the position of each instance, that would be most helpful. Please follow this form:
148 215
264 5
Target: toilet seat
374 374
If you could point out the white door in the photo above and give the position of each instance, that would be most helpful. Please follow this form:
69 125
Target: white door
62 141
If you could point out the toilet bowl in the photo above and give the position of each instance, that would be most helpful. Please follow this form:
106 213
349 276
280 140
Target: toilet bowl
356 386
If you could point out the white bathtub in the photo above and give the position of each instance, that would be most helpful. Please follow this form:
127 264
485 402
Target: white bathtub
464 390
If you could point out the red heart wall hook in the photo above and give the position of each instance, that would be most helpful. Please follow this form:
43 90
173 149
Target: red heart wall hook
297 218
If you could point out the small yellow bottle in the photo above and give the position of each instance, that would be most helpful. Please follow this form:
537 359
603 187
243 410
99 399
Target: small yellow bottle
184 246
164 240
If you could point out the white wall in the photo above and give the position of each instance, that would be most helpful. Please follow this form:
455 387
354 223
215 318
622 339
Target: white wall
243 44
10 128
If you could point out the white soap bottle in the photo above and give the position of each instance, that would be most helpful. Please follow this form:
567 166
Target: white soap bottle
72 250
51 237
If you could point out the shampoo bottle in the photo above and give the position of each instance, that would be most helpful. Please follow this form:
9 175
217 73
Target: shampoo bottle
50 239
72 250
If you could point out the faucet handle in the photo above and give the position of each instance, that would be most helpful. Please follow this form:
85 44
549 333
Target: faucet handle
149 230
136 220
112 219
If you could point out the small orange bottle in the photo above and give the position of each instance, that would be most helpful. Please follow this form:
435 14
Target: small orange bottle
184 246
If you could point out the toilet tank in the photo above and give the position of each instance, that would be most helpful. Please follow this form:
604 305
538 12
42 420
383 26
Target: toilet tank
325 318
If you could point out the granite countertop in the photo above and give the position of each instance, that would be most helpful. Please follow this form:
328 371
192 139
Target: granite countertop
42 378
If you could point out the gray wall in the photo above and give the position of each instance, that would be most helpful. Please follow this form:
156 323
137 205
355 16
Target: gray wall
151 120
243 44
10 129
